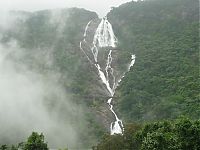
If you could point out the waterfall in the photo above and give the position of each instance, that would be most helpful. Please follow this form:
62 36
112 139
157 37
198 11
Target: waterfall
104 37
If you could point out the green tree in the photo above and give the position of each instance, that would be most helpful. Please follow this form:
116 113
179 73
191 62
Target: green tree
180 134
111 142
3 147
130 131
13 148
35 142
188 133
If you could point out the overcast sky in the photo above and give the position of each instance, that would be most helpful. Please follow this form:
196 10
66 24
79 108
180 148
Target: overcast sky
99 6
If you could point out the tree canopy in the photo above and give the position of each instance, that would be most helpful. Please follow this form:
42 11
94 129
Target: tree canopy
182 133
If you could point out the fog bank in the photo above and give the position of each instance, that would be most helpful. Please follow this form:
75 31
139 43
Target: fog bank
34 102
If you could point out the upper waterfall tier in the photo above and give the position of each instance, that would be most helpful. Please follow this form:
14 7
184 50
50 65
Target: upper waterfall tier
104 35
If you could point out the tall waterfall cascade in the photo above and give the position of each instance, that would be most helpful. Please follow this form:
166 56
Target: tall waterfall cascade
104 37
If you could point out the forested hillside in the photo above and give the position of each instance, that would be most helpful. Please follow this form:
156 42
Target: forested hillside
179 134
164 82
46 43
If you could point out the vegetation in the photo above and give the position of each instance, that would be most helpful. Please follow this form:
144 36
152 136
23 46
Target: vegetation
49 43
180 134
34 142
164 82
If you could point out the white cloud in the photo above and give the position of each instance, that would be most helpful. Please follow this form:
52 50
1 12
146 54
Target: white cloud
34 102
99 6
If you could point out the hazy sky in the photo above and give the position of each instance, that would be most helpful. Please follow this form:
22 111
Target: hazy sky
99 6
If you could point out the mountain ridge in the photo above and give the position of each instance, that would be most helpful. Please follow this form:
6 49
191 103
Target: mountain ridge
162 84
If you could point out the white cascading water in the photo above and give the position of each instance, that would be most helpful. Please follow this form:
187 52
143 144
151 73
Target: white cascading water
104 37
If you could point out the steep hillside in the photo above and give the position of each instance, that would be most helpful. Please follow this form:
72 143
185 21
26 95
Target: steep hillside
47 43
164 82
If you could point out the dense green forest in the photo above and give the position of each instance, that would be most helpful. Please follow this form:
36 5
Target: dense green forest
164 82
162 85
179 134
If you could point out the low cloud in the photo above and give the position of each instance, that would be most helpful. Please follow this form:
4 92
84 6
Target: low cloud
30 101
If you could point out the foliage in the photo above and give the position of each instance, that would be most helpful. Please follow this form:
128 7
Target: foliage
35 142
179 134
49 41
164 81
110 142
5 147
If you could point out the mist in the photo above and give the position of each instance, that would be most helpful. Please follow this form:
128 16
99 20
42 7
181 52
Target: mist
32 96
32 101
